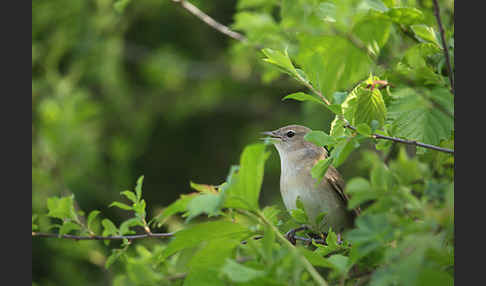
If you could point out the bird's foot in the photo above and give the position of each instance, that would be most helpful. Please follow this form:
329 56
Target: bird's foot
290 235
339 240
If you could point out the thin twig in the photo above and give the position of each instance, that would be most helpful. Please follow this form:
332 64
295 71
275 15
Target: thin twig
444 45
210 21
98 237
405 141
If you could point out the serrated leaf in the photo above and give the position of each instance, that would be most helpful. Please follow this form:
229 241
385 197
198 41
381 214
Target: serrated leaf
320 168
369 106
61 208
239 273
415 118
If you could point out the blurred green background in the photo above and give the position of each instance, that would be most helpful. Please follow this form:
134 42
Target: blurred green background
151 91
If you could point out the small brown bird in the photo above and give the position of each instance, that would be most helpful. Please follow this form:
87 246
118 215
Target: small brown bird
297 157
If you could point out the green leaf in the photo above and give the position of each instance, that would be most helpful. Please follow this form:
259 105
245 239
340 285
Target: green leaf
180 205
333 63
369 106
245 190
115 255
405 15
360 191
299 215
426 34
109 229
130 195
415 117
279 59
371 232
320 217
320 168
138 188
239 273
340 263
315 258
209 204
92 215
364 129
205 265
300 96
381 178
125 226
121 206
271 213
342 150
320 138
67 227
62 208
196 234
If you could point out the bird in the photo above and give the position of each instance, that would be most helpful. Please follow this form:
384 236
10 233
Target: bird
297 157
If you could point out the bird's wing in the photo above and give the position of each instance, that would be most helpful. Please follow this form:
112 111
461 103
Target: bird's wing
337 182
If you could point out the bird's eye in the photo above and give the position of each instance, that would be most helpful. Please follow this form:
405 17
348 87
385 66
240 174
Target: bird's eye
290 133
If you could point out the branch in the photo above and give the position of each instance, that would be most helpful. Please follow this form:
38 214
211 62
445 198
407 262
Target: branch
405 141
444 45
210 21
98 237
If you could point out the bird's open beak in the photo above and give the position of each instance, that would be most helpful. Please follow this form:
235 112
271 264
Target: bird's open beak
271 134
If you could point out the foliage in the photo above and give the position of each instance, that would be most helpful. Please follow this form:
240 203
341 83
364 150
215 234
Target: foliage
377 66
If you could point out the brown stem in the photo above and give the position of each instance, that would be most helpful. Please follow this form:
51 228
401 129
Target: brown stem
444 45
210 21
406 141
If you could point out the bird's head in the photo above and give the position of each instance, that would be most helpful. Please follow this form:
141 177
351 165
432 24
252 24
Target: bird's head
290 139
